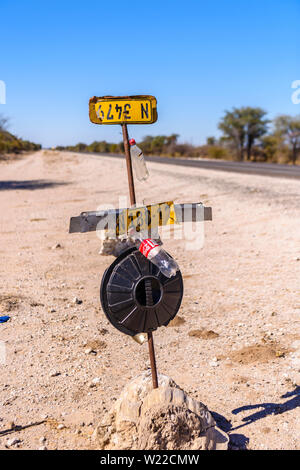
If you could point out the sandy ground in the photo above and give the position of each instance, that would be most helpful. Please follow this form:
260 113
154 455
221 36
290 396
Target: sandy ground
241 303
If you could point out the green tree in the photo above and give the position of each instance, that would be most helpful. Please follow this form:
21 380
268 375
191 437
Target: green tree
242 126
256 126
275 149
288 127
80 147
211 141
156 144
270 145
232 126
145 144
3 122
172 139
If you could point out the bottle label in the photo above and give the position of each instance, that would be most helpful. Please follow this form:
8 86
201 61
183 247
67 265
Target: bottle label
147 246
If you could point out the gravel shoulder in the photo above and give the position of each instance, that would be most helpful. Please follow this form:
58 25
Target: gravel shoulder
236 348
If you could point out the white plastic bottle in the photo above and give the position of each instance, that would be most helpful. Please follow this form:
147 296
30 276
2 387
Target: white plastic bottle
158 256
138 161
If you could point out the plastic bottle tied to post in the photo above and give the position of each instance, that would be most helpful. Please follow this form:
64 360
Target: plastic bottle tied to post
138 161
158 256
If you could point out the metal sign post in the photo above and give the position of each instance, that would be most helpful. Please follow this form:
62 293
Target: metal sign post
132 202
134 110
128 164
149 299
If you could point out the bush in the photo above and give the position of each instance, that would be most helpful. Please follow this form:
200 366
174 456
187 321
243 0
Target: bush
12 144
218 152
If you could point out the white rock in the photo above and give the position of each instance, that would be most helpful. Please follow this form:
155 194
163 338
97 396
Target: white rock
143 418
12 442
213 364
96 380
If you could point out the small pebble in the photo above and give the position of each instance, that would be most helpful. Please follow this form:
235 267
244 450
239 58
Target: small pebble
54 373
213 364
96 380
57 245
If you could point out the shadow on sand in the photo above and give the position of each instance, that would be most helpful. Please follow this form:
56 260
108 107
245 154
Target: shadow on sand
269 408
238 441
264 409
20 428
29 184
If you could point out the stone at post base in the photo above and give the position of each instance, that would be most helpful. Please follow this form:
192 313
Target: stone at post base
162 419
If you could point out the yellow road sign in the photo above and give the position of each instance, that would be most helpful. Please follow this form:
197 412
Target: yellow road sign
117 221
140 109
145 218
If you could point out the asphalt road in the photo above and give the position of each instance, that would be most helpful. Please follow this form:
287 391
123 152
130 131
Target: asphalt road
251 168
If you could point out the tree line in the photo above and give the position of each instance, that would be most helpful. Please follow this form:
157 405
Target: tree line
9 143
246 134
251 136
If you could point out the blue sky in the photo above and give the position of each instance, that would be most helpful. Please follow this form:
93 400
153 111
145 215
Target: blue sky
197 57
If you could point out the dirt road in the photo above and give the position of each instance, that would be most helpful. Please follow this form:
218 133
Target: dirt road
237 348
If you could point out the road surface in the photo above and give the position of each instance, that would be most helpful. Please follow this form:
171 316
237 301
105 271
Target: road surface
263 169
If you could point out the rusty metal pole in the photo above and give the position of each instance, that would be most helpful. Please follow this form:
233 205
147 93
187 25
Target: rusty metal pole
152 360
132 202
128 164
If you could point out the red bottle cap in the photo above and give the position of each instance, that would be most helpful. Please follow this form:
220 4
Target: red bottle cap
146 246
132 142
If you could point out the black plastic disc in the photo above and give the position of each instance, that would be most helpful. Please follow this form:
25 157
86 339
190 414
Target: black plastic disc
136 297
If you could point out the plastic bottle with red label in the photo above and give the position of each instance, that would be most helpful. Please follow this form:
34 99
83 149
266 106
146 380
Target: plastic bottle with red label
158 256
138 161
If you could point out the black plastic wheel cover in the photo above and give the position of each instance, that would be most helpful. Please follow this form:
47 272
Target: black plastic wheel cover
124 299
